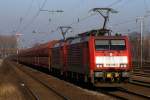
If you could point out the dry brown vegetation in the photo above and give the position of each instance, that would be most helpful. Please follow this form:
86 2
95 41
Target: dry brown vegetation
9 89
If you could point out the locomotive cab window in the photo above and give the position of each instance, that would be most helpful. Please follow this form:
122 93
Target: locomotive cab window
110 44
102 44
118 45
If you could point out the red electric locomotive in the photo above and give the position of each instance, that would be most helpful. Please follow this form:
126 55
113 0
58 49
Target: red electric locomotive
93 58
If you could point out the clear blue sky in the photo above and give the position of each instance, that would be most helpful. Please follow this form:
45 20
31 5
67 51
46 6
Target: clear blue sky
20 15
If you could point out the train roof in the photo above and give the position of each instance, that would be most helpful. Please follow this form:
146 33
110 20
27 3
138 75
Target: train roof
40 46
94 33
82 37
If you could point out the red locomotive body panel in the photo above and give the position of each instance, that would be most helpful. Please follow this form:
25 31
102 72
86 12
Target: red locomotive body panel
78 56
58 57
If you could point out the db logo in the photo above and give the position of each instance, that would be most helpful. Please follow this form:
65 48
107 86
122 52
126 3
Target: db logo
110 54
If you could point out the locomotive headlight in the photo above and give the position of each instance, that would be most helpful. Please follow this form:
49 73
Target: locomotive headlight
123 65
99 65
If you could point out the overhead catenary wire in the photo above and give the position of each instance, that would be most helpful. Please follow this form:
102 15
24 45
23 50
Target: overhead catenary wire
124 22
88 16
114 3
38 3
29 9
146 6
24 17
120 23
34 17
19 25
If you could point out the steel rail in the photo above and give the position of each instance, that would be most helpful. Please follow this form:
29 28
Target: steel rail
31 93
22 83
140 83
133 93
45 85
112 95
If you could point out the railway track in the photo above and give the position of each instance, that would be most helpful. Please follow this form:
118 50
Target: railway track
123 94
33 94
48 87
83 94
132 90
120 93
145 68
140 83
140 78
126 94
141 74
21 82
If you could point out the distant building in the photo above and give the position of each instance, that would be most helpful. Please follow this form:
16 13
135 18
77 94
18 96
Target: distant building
8 45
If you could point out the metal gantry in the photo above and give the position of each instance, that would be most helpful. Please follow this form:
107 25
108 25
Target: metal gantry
64 30
141 19
52 11
18 37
